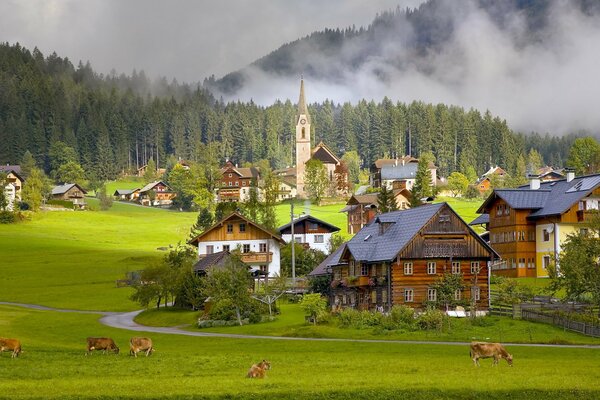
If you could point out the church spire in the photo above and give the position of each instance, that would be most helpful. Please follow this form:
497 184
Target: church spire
302 110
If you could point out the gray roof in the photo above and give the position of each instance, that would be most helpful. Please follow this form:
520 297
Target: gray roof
310 218
120 192
151 185
60 189
406 171
482 219
552 198
369 245
8 168
331 260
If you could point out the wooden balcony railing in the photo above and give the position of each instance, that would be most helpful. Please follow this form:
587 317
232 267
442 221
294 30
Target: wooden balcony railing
255 258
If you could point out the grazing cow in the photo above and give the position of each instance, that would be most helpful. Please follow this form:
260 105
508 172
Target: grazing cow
137 344
488 350
259 370
13 345
104 344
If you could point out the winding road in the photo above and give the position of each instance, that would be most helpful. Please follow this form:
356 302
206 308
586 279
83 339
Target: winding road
125 320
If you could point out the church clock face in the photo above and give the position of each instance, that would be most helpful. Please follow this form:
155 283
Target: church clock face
302 121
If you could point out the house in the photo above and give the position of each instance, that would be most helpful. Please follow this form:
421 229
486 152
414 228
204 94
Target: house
362 208
70 192
287 188
156 194
398 173
127 194
259 247
397 258
236 182
141 171
485 182
13 177
310 231
528 225
550 174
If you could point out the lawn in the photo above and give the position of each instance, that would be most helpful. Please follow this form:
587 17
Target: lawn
54 366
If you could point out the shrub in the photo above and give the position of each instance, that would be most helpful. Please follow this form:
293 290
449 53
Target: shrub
402 315
222 310
432 319
7 217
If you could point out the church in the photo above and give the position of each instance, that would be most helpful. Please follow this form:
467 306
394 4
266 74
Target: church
304 152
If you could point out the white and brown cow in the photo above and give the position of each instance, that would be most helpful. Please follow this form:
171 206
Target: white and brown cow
137 344
489 350
104 344
13 345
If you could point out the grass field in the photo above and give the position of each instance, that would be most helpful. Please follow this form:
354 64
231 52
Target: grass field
54 366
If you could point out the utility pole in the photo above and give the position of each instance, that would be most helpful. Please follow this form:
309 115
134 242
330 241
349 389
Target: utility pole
293 249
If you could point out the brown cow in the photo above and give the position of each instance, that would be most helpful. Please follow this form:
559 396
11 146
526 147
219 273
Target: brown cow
13 345
137 344
488 350
259 370
103 344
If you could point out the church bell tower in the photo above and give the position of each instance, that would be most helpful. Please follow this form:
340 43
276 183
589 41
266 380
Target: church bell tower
302 141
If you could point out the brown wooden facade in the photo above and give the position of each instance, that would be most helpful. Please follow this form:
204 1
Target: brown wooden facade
444 244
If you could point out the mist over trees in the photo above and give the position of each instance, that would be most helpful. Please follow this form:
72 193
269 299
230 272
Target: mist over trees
116 123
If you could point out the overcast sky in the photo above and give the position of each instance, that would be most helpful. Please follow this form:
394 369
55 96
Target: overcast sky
182 39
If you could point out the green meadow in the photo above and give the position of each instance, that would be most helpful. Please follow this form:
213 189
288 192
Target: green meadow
53 366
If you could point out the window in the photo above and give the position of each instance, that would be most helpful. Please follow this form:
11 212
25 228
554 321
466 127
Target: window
262 247
337 274
408 268
498 210
229 228
298 239
246 248
431 294
530 263
506 210
457 294
351 268
210 249
476 293
546 235
532 236
225 247
456 267
521 263
319 239
229 184
243 183
474 267
303 133
242 227
431 268
408 295
224 183
313 227
364 270
263 268
545 262
237 183
230 175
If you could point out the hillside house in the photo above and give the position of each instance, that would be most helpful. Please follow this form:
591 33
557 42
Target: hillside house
361 209
126 194
399 256
70 192
236 182
259 247
156 194
13 177
398 173
310 231
528 225
485 182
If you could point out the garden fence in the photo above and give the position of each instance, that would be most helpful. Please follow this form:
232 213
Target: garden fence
561 321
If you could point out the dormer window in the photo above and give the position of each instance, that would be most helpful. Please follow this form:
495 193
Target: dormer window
384 226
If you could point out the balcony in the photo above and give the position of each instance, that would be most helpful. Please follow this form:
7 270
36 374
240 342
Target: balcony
257 258
359 281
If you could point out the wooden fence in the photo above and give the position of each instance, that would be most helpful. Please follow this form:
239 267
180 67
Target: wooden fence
561 321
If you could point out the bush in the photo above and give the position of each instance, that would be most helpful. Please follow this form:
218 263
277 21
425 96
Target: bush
432 319
7 217
222 310
472 192
402 315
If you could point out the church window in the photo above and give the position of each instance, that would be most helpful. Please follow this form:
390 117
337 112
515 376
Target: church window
303 133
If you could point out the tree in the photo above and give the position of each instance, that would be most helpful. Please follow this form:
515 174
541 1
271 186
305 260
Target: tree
106 200
352 160
335 241
269 293
270 190
534 161
584 156
252 206
423 184
70 172
386 201
307 259
316 180
203 222
578 268
59 154
27 164
230 283
446 286
457 184
35 188
224 209
313 305
150 173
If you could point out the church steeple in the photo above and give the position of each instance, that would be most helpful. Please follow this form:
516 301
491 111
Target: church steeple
302 110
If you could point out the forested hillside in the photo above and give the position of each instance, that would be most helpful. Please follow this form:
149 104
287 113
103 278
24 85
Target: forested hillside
117 122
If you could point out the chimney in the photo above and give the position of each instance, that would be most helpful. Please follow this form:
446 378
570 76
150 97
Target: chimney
534 182
570 174
403 161
395 162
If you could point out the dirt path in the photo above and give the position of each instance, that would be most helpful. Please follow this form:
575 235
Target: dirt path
126 321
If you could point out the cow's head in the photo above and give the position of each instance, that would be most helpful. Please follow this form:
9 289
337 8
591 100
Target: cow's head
509 359
115 349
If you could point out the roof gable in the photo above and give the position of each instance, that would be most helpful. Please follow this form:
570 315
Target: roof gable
60 189
312 219
322 153
236 215
152 185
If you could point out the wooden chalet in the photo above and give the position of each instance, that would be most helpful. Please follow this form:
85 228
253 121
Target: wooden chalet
527 225
362 208
485 182
310 231
236 182
13 178
70 192
259 247
127 194
163 196
398 257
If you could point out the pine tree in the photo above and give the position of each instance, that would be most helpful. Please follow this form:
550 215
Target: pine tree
203 222
27 164
423 184
386 201
252 206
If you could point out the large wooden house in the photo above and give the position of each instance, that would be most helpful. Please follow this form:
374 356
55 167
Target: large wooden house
397 258
236 182
13 184
528 225
259 247
156 194
70 192
309 231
